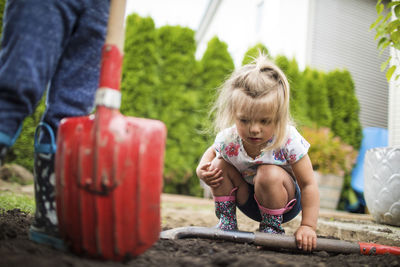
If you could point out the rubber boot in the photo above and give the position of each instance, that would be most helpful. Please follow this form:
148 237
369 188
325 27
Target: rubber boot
225 209
271 219
44 229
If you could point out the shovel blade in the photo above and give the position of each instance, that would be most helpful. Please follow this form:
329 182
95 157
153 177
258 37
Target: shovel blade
108 184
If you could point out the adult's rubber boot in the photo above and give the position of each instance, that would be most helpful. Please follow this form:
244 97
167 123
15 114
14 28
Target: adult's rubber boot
44 229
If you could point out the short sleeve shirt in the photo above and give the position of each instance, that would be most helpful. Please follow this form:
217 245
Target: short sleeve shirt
228 145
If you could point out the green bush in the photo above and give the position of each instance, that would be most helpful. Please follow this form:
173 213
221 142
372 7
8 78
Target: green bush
253 52
344 107
140 81
319 110
329 154
215 66
179 108
298 92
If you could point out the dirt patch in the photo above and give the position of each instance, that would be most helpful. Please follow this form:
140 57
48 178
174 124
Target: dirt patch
17 250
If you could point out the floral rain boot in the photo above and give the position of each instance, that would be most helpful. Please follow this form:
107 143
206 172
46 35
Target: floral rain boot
271 219
44 228
225 209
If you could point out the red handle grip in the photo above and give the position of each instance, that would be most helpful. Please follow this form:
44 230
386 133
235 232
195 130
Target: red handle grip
375 249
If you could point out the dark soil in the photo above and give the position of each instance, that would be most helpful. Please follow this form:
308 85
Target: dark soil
17 250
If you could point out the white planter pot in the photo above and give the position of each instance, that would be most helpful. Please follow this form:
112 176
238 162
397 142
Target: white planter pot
382 184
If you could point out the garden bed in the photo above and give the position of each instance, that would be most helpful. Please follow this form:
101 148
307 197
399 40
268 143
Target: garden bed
17 250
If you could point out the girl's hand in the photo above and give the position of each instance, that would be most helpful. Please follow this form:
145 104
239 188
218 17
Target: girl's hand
306 238
212 177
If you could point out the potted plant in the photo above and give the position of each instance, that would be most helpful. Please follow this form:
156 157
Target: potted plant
332 159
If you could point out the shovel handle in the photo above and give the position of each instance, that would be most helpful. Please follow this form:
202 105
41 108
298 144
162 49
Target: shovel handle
289 242
108 94
278 241
115 27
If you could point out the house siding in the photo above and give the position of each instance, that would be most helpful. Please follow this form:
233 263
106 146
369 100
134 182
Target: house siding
340 38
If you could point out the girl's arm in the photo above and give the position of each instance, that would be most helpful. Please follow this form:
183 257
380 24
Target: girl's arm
212 177
304 173
207 157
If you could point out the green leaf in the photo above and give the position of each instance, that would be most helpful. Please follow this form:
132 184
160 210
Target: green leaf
397 11
384 46
384 64
373 25
393 3
382 41
397 46
379 8
393 26
390 72
388 16
395 37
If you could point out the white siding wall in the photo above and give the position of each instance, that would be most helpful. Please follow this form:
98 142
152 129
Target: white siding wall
394 105
341 38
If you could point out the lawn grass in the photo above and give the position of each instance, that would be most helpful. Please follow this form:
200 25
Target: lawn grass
9 201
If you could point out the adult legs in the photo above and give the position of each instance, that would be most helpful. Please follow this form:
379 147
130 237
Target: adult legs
56 45
71 93
35 33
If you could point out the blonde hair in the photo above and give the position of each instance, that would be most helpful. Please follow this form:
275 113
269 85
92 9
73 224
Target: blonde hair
260 82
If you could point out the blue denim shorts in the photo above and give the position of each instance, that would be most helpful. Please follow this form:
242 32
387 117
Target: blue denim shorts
251 210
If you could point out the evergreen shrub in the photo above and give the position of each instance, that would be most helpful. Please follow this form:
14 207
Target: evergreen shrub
254 52
298 92
179 83
319 110
215 66
344 107
140 84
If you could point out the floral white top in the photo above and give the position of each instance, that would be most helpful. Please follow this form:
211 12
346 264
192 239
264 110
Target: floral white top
228 145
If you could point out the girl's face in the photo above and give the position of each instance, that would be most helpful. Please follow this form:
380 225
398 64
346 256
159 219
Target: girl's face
255 129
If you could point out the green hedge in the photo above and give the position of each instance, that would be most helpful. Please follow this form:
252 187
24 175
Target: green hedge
140 84
215 66
179 104
298 90
319 110
345 107
253 52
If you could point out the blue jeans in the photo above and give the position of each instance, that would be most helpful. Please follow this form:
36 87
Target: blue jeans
54 45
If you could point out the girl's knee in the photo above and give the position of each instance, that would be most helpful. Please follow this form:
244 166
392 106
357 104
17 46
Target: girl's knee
229 171
269 174
220 163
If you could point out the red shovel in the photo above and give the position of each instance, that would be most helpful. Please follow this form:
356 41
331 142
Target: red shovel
109 168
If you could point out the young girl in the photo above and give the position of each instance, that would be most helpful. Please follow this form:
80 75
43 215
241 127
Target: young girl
259 161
